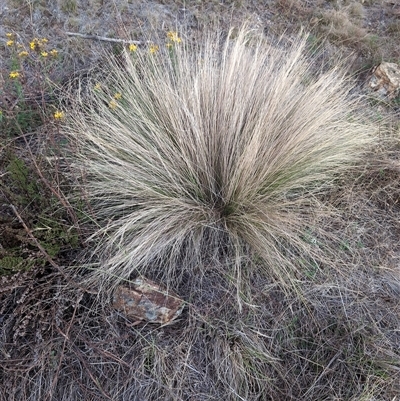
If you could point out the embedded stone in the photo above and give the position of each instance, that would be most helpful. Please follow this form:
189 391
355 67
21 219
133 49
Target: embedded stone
386 80
144 300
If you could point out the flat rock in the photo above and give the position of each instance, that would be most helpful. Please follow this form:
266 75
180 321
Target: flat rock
144 300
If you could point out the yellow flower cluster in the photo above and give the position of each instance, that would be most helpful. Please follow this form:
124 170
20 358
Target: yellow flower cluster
14 74
173 37
113 104
58 115
153 48
10 40
37 44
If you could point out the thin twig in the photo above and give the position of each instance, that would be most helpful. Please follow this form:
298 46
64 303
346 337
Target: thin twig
105 39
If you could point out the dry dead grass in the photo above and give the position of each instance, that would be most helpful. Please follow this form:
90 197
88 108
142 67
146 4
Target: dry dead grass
338 343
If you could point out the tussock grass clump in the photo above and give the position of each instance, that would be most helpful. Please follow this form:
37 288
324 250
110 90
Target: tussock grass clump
213 149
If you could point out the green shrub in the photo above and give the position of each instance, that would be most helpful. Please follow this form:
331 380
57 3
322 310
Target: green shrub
213 149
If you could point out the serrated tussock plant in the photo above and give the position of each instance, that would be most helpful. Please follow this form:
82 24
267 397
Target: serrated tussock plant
212 149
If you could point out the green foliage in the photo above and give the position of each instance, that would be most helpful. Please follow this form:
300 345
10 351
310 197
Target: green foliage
310 268
55 236
47 220
313 43
23 185
24 117
21 178
69 6
11 264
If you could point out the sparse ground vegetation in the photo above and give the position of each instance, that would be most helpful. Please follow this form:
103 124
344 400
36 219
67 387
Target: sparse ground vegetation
290 270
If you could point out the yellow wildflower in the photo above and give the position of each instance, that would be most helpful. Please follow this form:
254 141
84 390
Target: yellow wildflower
58 115
117 95
173 37
113 104
34 44
153 49
37 44
14 74
132 47
9 35
24 53
97 87
9 42
54 52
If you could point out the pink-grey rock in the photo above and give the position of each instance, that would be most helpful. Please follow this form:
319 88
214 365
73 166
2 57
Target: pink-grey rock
385 80
144 300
